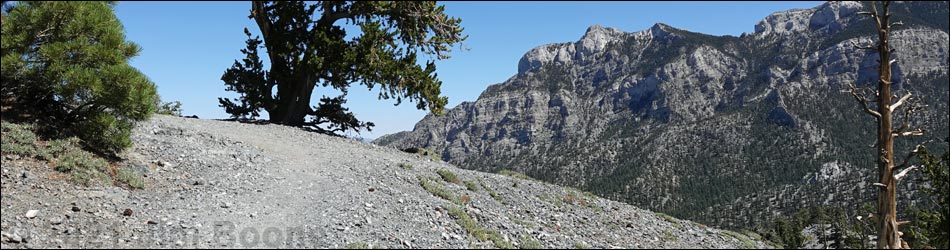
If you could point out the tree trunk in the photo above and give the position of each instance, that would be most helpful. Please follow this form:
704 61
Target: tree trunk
888 236
293 104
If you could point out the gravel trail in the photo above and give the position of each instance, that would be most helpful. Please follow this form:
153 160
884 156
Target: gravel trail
216 184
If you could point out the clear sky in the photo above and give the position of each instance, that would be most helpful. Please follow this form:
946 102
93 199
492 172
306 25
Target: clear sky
188 45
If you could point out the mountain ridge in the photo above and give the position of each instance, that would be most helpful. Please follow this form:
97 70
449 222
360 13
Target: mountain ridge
636 113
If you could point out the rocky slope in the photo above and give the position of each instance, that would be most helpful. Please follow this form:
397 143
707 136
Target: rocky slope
720 129
212 184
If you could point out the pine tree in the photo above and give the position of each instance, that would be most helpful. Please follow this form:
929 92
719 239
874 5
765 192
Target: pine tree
65 66
306 50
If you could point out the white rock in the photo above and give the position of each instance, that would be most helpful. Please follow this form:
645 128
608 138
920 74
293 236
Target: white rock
32 213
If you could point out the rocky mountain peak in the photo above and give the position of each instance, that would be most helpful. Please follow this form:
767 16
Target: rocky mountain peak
660 30
613 117
596 38
829 17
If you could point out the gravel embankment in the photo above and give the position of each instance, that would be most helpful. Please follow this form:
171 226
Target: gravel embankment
215 184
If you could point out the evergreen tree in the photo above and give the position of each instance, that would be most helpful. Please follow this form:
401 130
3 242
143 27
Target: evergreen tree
931 229
307 49
65 65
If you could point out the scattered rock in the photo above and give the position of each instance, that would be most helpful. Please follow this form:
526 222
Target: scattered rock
56 220
11 238
127 212
32 213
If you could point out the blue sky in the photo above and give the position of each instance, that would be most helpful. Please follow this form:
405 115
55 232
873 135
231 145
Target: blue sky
188 45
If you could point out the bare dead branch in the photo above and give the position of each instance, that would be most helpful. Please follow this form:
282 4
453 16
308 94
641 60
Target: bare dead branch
900 102
867 47
917 132
910 156
904 172
863 101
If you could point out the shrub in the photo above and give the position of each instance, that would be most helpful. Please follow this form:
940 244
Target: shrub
436 190
66 63
471 186
448 176
18 139
529 243
130 177
169 108
480 233
516 175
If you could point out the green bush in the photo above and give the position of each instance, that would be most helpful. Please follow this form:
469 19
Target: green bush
129 176
66 155
448 176
929 227
67 64
477 231
18 139
471 186
167 108
529 243
436 190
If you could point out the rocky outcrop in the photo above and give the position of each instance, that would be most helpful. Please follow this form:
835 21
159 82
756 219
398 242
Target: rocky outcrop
680 122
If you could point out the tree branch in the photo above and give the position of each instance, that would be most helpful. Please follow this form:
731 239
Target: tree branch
900 102
909 156
868 47
916 132
863 101
903 173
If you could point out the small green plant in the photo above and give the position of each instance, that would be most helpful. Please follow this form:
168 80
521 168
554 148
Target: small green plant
436 190
515 175
448 176
590 195
471 186
130 177
66 155
480 233
668 218
84 167
746 242
56 148
357 245
80 160
492 192
169 108
406 166
580 245
523 223
529 243
668 236
595 207
18 139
